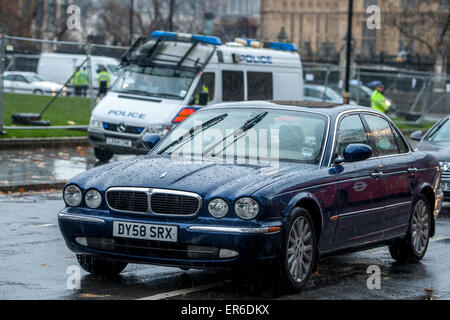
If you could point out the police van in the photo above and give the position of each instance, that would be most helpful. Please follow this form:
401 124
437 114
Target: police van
166 78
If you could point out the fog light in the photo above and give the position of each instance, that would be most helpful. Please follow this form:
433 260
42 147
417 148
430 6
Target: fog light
226 253
81 241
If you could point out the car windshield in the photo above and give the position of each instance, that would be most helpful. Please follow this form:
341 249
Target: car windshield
255 134
154 81
33 78
442 134
112 68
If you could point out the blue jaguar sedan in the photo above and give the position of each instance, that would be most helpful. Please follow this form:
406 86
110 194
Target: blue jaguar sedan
263 184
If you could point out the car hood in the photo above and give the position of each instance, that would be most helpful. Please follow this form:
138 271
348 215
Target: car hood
136 110
207 178
440 150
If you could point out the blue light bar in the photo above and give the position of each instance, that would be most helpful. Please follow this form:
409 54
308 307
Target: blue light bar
274 45
164 35
173 36
283 46
207 39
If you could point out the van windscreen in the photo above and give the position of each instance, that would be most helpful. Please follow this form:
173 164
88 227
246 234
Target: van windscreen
154 81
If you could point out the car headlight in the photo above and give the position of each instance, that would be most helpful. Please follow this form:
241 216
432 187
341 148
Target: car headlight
72 195
445 166
95 124
93 199
218 208
246 208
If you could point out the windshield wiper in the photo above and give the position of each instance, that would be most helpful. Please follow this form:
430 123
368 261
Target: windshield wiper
192 132
139 92
238 133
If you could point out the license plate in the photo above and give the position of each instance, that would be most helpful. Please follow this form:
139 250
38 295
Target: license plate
145 231
445 186
118 142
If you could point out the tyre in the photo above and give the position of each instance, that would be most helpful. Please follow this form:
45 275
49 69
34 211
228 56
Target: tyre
103 155
38 91
414 246
298 250
100 266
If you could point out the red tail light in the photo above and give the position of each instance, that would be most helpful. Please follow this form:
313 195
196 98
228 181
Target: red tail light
183 114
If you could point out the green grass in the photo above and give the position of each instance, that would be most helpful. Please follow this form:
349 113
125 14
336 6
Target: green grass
425 126
60 113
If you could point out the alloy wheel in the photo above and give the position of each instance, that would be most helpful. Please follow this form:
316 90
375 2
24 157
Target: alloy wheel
300 249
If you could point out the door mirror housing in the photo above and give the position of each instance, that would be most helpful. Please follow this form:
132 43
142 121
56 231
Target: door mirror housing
416 135
357 152
150 140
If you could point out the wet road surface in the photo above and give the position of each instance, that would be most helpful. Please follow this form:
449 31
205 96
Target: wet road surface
34 262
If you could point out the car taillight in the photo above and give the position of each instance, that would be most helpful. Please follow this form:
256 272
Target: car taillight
183 114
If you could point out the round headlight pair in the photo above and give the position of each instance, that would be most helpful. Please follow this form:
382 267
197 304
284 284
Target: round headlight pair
73 197
246 208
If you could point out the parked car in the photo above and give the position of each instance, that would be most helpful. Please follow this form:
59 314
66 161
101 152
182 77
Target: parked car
437 142
338 178
29 82
319 93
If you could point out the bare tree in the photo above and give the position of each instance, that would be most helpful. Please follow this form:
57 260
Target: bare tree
426 22
16 15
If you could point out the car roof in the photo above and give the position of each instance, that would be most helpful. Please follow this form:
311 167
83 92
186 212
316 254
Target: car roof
326 108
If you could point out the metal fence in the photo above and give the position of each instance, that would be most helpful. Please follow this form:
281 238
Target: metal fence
415 95
55 62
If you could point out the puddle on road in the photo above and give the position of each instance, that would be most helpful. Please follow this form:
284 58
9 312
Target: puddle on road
46 165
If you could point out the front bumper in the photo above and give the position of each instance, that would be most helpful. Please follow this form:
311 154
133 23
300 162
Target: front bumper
97 139
198 244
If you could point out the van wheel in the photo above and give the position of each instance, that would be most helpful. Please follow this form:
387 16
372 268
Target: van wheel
414 246
38 91
298 251
103 155
100 266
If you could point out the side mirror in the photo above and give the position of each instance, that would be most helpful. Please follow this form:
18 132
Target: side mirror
150 140
203 98
416 135
356 152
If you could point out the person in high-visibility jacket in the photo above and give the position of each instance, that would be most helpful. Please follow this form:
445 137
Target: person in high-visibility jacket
378 100
104 79
76 82
83 79
205 89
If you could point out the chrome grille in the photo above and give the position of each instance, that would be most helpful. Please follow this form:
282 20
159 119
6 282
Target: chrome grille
445 175
130 201
165 203
156 201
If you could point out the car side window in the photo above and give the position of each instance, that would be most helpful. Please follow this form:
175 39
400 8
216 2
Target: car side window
382 134
206 85
402 146
351 130
232 85
260 85
20 79
9 77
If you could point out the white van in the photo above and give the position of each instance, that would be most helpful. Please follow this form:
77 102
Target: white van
59 67
172 75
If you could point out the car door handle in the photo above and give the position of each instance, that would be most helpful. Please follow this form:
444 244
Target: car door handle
412 170
377 174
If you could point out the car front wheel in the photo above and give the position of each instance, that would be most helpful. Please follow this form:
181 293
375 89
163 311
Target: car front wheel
100 266
299 250
415 245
